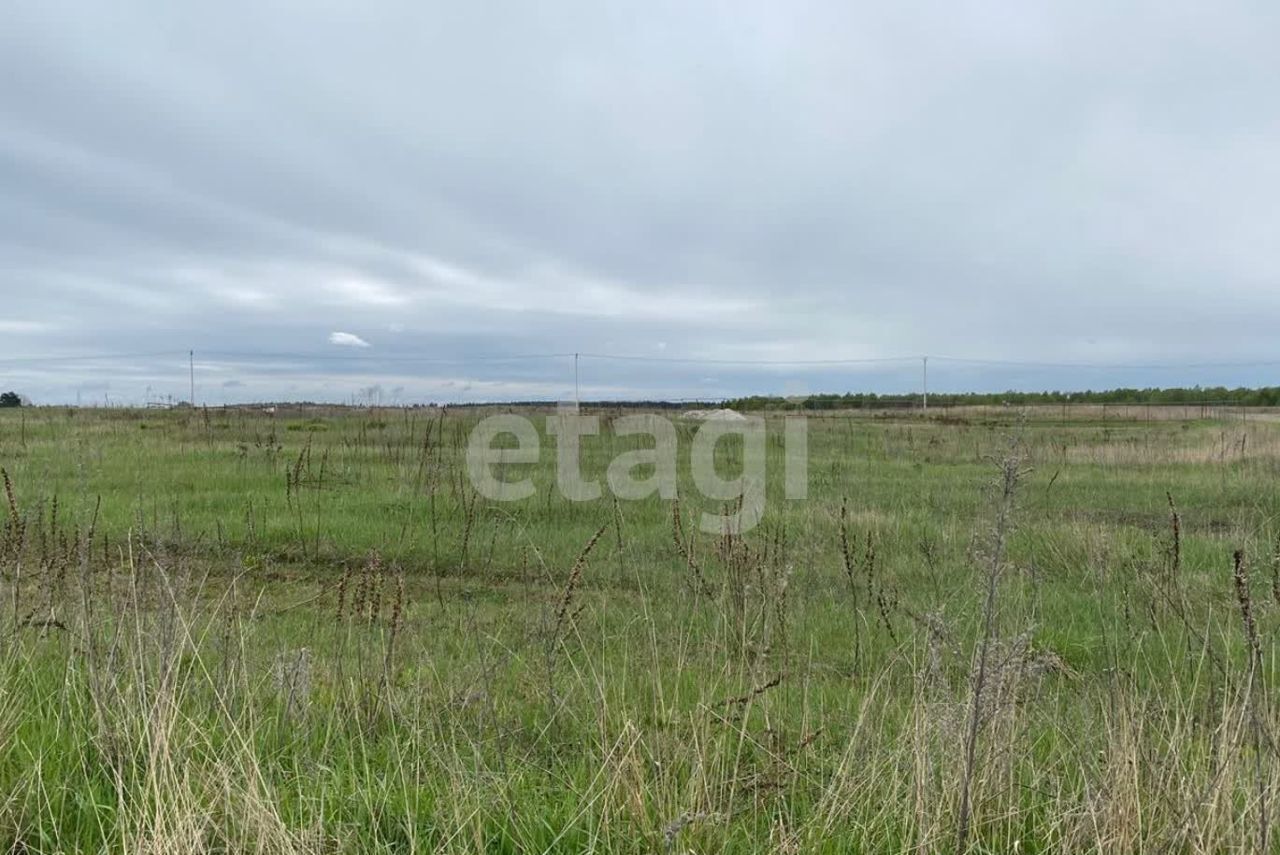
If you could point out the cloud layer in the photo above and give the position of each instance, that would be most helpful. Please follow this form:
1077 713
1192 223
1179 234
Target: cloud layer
1094 183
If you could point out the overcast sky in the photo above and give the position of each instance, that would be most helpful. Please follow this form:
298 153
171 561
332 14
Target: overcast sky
313 195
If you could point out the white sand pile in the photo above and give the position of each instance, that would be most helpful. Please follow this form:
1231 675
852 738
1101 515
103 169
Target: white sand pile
721 415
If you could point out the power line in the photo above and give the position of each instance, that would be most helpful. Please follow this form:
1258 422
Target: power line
1135 366
693 360
99 357
215 355
208 356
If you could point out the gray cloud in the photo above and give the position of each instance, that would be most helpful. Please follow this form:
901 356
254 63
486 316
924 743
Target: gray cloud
1094 183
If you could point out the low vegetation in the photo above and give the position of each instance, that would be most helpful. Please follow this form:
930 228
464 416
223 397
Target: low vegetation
234 631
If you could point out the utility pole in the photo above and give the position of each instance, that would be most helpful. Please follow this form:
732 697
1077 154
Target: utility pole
577 401
191 363
924 377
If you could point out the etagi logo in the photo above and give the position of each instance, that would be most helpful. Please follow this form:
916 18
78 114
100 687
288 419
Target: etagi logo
745 493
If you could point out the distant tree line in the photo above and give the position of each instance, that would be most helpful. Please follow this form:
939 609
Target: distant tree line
636 404
1267 396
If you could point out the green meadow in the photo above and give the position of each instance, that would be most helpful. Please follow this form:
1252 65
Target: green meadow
304 631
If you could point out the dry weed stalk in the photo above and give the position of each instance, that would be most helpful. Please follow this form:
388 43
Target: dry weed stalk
15 520
398 604
1175 548
366 604
845 551
571 586
755 692
377 576
342 591
685 549
1261 743
1275 570
556 624
397 623
1010 473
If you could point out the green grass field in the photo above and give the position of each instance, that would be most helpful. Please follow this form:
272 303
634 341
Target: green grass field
233 631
